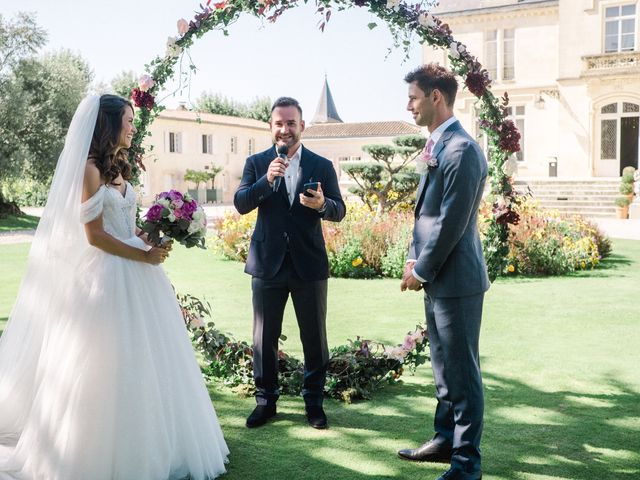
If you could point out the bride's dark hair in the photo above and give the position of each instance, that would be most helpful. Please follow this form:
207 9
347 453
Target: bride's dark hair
105 150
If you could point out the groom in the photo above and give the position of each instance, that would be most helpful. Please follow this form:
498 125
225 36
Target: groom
445 258
287 256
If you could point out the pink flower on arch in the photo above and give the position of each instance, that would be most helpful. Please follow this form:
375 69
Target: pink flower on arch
183 26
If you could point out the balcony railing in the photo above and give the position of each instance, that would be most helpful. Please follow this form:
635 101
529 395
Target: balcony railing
627 62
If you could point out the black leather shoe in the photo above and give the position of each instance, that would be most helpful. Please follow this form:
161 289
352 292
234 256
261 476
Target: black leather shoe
429 452
457 474
260 415
316 416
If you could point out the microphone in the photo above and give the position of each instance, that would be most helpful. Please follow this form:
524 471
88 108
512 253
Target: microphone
282 151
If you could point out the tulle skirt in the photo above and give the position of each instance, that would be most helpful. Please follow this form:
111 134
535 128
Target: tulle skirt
105 384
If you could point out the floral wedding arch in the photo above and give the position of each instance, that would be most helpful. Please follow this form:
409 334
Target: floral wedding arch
405 22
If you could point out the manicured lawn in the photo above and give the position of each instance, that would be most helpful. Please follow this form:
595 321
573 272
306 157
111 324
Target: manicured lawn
560 360
25 222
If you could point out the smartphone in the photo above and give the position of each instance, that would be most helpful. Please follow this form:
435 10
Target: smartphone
309 186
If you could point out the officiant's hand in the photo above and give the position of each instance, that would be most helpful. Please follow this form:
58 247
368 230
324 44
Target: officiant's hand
277 168
316 201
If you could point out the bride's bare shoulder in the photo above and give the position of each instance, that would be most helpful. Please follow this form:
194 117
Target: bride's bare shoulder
92 179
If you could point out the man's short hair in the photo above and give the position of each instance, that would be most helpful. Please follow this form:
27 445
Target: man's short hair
286 102
433 76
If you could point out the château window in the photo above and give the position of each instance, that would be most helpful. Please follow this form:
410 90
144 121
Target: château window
233 145
175 142
499 53
207 144
620 28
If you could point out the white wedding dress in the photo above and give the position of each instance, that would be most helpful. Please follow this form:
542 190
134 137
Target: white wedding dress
98 380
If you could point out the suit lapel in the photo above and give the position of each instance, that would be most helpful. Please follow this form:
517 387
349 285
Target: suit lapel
437 148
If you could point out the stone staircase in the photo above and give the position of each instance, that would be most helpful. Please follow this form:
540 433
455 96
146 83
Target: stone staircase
590 197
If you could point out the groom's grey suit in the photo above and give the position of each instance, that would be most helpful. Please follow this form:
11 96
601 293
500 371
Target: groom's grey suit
448 253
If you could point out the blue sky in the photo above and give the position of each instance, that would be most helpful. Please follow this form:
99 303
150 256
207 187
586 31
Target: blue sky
289 57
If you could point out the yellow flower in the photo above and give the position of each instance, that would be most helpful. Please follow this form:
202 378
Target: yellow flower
511 269
583 265
356 262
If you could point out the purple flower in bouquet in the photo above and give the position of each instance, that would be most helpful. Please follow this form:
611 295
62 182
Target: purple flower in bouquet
176 216
155 213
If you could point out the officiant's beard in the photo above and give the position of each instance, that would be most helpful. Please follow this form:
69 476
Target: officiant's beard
290 139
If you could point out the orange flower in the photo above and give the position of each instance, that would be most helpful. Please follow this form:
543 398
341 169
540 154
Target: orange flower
356 262
511 269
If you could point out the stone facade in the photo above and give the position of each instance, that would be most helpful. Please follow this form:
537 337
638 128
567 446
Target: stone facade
572 70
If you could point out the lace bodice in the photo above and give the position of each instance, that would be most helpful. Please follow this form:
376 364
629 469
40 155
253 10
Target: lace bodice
118 211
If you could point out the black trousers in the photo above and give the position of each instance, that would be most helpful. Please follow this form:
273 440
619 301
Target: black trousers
310 304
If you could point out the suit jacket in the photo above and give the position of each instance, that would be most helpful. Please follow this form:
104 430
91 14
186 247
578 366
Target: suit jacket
281 227
446 243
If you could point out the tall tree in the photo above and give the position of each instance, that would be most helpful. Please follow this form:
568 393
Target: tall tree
124 82
36 107
258 109
20 37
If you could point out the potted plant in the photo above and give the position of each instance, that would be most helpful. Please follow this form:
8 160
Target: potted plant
622 207
213 194
626 182
197 177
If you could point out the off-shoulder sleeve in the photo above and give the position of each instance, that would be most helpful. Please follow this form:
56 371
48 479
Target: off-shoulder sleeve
90 209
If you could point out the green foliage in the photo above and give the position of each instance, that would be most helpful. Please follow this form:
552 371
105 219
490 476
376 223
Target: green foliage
233 235
202 176
45 91
19 38
389 182
622 201
626 188
627 173
348 261
258 109
124 82
25 192
547 243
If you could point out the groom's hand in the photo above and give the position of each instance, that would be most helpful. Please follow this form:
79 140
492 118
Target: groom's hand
408 280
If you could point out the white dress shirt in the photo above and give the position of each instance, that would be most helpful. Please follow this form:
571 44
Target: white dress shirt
291 174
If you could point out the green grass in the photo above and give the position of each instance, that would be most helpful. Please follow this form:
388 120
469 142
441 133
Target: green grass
560 361
24 222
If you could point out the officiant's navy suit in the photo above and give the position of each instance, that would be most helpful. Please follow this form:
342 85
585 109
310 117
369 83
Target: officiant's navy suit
448 253
287 255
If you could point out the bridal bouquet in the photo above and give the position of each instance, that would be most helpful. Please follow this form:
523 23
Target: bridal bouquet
177 216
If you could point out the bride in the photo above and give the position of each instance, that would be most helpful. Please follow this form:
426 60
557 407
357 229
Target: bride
98 380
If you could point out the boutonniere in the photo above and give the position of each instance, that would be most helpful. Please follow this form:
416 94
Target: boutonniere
432 162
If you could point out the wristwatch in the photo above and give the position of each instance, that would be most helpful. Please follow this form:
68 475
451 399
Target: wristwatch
323 208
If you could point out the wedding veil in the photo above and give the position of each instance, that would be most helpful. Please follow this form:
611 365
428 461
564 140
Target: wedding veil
49 280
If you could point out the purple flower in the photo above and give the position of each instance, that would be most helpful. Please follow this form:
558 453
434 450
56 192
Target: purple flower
188 208
155 213
174 195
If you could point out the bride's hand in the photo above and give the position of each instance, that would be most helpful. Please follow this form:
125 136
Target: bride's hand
156 255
